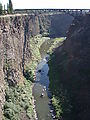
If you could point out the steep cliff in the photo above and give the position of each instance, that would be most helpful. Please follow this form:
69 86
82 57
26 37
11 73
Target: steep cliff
15 32
71 71
14 44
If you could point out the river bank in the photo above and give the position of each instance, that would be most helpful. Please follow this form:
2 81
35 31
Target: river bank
41 84
30 68
19 102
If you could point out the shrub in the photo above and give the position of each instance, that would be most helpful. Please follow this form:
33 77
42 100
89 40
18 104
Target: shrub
57 105
8 113
18 99
29 75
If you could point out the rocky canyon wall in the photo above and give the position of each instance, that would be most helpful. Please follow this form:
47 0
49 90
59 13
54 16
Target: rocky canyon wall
72 63
77 47
14 42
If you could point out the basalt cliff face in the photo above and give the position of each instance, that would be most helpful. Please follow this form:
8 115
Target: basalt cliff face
72 61
15 53
77 47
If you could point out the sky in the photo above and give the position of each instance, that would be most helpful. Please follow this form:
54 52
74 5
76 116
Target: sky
40 4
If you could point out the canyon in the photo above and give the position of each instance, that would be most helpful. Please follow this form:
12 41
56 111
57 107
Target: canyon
16 32
22 36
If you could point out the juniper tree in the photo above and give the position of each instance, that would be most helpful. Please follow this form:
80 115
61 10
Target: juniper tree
10 7
1 8
4 10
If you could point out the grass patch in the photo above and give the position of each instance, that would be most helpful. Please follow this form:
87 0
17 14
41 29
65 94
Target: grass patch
49 45
55 43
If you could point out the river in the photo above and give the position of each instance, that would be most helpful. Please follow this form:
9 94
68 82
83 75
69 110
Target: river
43 104
41 86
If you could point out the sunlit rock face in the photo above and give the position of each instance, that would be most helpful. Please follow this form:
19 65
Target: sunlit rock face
13 34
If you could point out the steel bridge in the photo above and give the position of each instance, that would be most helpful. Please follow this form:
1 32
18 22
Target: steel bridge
73 12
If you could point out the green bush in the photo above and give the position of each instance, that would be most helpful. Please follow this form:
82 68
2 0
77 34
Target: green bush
18 99
57 105
8 113
29 75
